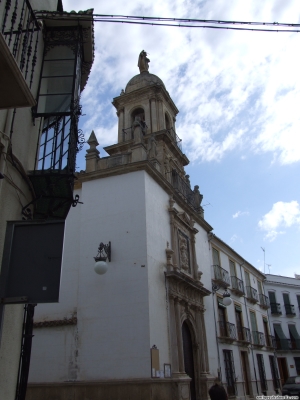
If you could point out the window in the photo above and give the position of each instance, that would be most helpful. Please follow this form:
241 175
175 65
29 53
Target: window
229 372
239 322
281 340
232 268
222 318
298 300
247 278
295 338
216 257
297 364
259 286
286 298
266 331
262 373
275 375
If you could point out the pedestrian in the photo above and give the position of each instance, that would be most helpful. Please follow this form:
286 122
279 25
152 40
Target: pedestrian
217 392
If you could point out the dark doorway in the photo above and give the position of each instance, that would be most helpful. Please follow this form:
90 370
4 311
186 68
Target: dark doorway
283 370
245 366
189 357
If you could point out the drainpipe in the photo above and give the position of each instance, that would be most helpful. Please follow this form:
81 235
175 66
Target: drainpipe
218 349
250 329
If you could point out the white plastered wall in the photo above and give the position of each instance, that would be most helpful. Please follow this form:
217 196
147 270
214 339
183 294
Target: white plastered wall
158 234
111 340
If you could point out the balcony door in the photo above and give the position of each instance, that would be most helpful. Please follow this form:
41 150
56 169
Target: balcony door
245 366
222 319
239 322
283 369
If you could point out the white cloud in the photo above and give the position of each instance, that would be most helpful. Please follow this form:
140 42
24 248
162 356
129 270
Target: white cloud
282 215
235 90
240 213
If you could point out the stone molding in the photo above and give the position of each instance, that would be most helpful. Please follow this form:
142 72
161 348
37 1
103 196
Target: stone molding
148 167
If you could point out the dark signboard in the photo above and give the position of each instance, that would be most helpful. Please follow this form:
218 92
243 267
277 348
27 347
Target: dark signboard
31 264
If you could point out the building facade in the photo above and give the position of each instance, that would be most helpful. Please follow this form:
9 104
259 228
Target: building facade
140 330
33 109
246 360
284 295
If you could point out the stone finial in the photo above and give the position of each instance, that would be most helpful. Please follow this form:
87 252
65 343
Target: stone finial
92 155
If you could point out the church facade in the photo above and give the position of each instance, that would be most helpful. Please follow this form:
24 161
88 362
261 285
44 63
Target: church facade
139 331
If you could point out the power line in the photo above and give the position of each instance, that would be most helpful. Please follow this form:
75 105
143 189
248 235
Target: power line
175 22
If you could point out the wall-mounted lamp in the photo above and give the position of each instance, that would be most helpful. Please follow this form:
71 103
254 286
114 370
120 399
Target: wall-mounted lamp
104 254
226 295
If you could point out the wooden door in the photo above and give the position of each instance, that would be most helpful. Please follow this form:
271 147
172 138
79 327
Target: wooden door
239 324
283 370
245 367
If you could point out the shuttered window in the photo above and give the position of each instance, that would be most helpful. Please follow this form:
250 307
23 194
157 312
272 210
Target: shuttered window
232 268
262 373
286 299
216 258
272 297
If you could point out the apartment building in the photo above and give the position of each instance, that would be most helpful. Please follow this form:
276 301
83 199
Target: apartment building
247 363
284 295
45 60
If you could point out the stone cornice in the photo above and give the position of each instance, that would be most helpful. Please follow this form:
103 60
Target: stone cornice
147 92
156 175
184 279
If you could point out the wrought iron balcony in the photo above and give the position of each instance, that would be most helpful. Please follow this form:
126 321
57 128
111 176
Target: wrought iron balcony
20 37
252 294
227 330
237 286
275 308
244 334
258 338
270 341
286 344
221 276
264 301
289 309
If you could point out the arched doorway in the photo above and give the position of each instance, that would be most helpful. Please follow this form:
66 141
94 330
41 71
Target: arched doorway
189 357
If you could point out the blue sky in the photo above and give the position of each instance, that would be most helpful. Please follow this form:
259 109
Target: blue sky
238 94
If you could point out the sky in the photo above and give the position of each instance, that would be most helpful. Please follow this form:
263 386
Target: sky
238 94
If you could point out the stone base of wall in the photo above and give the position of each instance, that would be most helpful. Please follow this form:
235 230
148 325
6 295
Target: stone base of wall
136 389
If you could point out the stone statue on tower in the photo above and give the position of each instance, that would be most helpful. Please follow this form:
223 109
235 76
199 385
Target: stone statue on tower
143 62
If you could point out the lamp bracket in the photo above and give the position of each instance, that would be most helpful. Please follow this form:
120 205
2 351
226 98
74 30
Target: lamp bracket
104 252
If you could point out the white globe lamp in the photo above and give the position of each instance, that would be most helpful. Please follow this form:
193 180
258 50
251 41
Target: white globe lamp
104 254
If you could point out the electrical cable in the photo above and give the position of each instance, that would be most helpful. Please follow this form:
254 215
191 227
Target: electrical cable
172 22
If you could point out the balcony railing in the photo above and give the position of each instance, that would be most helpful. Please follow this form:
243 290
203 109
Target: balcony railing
221 276
270 341
289 309
283 344
21 32
227 330
275 308
252 294
264 301
176 138
244 334
258 338
237 285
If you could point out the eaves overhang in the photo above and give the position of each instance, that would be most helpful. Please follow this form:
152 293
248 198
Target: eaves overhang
70 19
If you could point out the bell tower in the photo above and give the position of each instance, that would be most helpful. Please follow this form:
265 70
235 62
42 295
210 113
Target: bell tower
147 133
